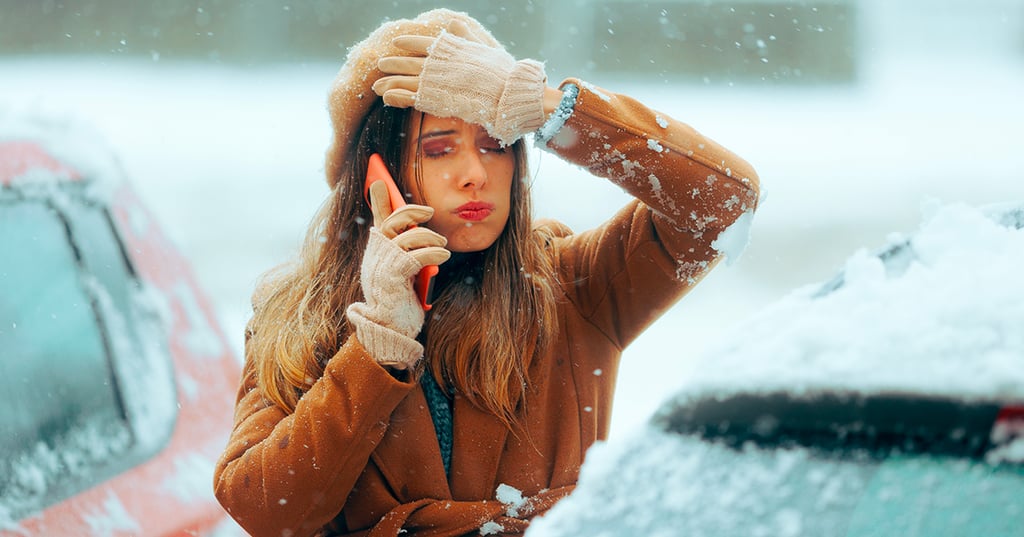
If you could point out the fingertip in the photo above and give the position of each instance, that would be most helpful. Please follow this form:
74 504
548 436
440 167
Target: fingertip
416 44
458 28
398 98
440 255
403 42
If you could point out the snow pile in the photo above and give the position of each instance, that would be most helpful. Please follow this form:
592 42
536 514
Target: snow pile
951 306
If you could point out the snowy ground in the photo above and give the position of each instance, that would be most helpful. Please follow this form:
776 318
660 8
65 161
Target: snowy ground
231 161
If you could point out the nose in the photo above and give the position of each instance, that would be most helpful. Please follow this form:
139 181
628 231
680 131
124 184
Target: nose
473 173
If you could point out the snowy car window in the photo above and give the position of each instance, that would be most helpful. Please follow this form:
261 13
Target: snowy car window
684 485
62 409
102 254
924 465
806 492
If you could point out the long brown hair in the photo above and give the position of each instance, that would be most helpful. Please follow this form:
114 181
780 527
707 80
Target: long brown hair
476 331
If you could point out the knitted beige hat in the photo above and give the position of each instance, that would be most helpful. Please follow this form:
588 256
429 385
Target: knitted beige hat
351 95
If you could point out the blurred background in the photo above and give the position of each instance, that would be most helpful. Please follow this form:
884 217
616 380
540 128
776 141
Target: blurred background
854 113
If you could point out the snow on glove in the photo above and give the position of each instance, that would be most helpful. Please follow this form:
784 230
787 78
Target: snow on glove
391 316
463 78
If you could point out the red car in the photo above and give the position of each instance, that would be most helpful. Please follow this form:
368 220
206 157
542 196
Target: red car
116 383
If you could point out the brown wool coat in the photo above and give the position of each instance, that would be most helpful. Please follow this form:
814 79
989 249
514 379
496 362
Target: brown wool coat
359 455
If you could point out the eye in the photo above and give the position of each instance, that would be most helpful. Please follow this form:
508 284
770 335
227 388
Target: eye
436 148
490 145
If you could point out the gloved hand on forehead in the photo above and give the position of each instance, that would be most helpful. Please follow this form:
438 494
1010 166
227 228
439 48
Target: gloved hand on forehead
454 75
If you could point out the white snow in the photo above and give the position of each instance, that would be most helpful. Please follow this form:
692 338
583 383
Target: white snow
947 325
511 497
596 91
733 240
201 338
69 138
112 520
192 478
147 383
38 472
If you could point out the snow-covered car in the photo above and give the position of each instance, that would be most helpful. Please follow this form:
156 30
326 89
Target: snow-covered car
116 382
889 401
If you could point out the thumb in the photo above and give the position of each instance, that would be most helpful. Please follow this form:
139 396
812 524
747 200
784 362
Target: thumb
380 204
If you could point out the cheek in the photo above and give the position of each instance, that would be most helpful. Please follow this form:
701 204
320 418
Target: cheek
500 173
435 179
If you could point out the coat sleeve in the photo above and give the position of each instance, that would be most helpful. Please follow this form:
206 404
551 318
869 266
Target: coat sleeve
688 190
289 474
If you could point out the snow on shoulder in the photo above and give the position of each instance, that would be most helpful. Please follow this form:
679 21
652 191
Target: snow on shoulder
938 313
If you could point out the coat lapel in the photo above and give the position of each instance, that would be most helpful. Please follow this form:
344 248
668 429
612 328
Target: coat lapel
477 446
409 456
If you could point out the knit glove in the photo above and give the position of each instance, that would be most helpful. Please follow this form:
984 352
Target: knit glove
391 316
460 77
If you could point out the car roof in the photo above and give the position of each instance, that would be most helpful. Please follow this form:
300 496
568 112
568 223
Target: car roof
39 147
936 313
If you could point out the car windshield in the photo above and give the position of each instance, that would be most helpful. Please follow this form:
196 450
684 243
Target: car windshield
783 464
664 484
850 464
62 411
800 491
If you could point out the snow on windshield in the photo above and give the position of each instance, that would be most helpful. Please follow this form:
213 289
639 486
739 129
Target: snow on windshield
955 313
660 484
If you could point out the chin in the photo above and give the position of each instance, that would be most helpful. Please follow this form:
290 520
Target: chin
467 244
469 248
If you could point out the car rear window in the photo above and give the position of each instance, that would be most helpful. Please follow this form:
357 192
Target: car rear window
65 421
53 352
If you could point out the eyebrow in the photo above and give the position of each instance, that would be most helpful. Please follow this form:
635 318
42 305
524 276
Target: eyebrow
435 134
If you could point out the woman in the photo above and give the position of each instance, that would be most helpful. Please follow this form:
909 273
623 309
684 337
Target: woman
360 413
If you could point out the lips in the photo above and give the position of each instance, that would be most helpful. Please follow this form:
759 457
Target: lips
474 211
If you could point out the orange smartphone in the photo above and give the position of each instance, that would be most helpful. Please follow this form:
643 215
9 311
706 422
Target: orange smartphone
377 171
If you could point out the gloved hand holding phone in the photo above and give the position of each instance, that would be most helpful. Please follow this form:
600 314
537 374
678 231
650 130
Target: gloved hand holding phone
392 315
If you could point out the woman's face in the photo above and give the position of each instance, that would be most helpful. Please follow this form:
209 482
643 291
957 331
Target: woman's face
465 176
